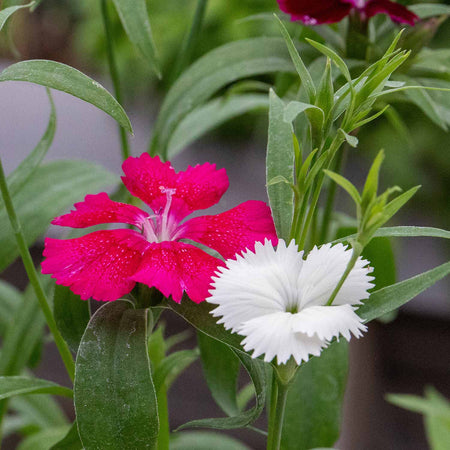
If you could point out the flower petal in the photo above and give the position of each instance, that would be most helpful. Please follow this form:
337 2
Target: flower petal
273 336
397 12
98 265
327 322
256 284
174 267
147 178
97 209
315 12
322 271
198 187
153 182
233 231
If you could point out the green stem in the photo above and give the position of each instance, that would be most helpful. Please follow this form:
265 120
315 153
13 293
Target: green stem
188 45
277 408
163 414
357 249
114 73
326 219
33 276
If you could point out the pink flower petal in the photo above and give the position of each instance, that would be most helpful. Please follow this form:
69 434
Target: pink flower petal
234 230
174 267
98 265
397 12
154 182
198 187
147 178
97 209
314 12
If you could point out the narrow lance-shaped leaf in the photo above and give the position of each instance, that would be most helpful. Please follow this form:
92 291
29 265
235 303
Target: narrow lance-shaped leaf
280 162
221 370
64 78
71 315
392 297
26 168
113 381
19 385
403 232
302 71
71 441
313 409
211 115
256 370
134 17
215 70
6 13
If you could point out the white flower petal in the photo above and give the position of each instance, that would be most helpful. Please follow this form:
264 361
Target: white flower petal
256 284
322 271
273 336
327 322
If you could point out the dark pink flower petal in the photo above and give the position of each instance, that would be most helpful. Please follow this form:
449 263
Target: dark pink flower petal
97 209
198 187
233 231
395 11
99 265
314 12
174 267
147 178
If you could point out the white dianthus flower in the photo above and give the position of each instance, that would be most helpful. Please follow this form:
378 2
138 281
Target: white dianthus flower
277 300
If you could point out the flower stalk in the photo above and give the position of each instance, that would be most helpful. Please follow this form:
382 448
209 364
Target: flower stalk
33 276
114 73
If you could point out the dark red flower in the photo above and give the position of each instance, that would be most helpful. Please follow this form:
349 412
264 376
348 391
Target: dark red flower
314 12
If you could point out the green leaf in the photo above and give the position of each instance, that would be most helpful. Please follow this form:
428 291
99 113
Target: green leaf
40 410
315 115
6 13
256 370
403 232
280 162
198 315
340 63
71 315
300 67
17 179
43 440
381 257
113 381
23 333
392 297
18 385
371 185
221 370
172 366
211 115
394 205
313 409
50 190
204 440
10 299
351 140
426 10
71 441
346 185
215 70
134 17
64 78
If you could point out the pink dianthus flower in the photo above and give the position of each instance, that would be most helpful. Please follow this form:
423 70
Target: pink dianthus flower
106 265
315 12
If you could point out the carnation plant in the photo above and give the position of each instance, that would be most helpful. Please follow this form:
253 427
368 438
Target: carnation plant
278 288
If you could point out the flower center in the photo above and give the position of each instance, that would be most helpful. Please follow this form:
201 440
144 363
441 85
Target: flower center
161 226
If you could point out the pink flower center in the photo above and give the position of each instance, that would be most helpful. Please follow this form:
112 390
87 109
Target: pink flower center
161 226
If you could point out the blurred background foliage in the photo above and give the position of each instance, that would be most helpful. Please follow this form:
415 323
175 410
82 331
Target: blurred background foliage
72 32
